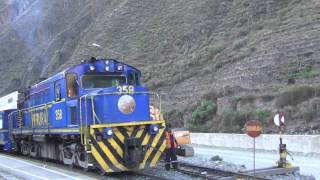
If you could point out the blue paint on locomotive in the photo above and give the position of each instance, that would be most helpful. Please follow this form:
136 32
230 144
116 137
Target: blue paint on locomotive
5 141
107 106
50 104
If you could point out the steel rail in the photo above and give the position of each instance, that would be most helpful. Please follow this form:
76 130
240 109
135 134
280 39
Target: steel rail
152 176
214 173
272 171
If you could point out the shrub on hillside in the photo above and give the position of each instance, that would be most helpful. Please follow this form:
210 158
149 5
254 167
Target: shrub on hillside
263 115
297 94
214 50
311 111
202 117
204 112
232 122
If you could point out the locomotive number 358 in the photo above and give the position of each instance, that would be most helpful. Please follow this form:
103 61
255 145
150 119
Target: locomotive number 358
126 89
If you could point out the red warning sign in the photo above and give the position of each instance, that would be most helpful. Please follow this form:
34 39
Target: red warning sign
253 128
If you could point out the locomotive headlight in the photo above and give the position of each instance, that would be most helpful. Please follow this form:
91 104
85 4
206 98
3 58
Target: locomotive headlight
92 68
107 133
126 104
154 129
107 68
120 67
106 62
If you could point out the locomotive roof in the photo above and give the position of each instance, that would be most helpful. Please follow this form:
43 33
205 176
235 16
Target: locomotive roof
46 83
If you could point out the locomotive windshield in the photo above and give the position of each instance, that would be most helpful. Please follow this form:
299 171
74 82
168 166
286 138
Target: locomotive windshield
101 81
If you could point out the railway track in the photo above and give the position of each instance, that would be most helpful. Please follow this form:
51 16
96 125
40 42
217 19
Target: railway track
272 171
150 175
218 174
213 173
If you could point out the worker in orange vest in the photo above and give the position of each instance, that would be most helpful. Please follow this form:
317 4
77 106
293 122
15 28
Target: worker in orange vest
171 145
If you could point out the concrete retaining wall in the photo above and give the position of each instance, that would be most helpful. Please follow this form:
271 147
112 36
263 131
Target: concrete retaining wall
295 143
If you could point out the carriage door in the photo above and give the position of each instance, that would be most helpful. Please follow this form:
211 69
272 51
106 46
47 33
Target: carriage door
72 99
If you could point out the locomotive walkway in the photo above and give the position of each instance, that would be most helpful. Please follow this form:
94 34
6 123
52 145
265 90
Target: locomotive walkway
14 168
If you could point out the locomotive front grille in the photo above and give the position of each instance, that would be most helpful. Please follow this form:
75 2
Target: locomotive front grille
128 148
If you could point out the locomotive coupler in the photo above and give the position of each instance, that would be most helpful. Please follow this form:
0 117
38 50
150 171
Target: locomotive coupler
133 155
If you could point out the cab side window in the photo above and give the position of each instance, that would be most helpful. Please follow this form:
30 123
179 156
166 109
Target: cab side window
137 79
72 85
57 91
131 79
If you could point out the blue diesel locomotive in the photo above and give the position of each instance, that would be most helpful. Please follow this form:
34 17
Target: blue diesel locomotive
92 115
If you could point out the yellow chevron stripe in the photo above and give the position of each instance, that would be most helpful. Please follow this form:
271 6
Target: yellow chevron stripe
116 146
156 139
100 160
145 140
146 156
111 157
157 156
129 129
140 132
119 135
149 151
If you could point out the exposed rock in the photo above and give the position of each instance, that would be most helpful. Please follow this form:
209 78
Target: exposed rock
185 49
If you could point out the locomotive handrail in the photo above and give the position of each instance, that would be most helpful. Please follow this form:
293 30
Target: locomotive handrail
42 106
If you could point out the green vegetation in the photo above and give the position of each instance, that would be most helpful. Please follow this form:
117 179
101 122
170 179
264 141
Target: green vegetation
202 116
214 50
204 119
216 158
311 111
231 122
297 94
204 112
174 117
238 44
307 72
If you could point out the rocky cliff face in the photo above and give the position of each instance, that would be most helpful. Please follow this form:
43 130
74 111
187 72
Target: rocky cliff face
240 54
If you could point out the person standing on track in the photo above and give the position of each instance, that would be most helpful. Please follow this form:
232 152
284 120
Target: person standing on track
171 145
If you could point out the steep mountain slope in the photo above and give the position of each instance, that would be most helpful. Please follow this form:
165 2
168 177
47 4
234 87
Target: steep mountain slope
241 55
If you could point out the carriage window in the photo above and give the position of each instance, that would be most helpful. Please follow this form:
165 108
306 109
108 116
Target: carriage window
72 85
101 81
1 121
57 91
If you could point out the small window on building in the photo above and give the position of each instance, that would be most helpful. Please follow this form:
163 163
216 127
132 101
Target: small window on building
72 85
57 91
